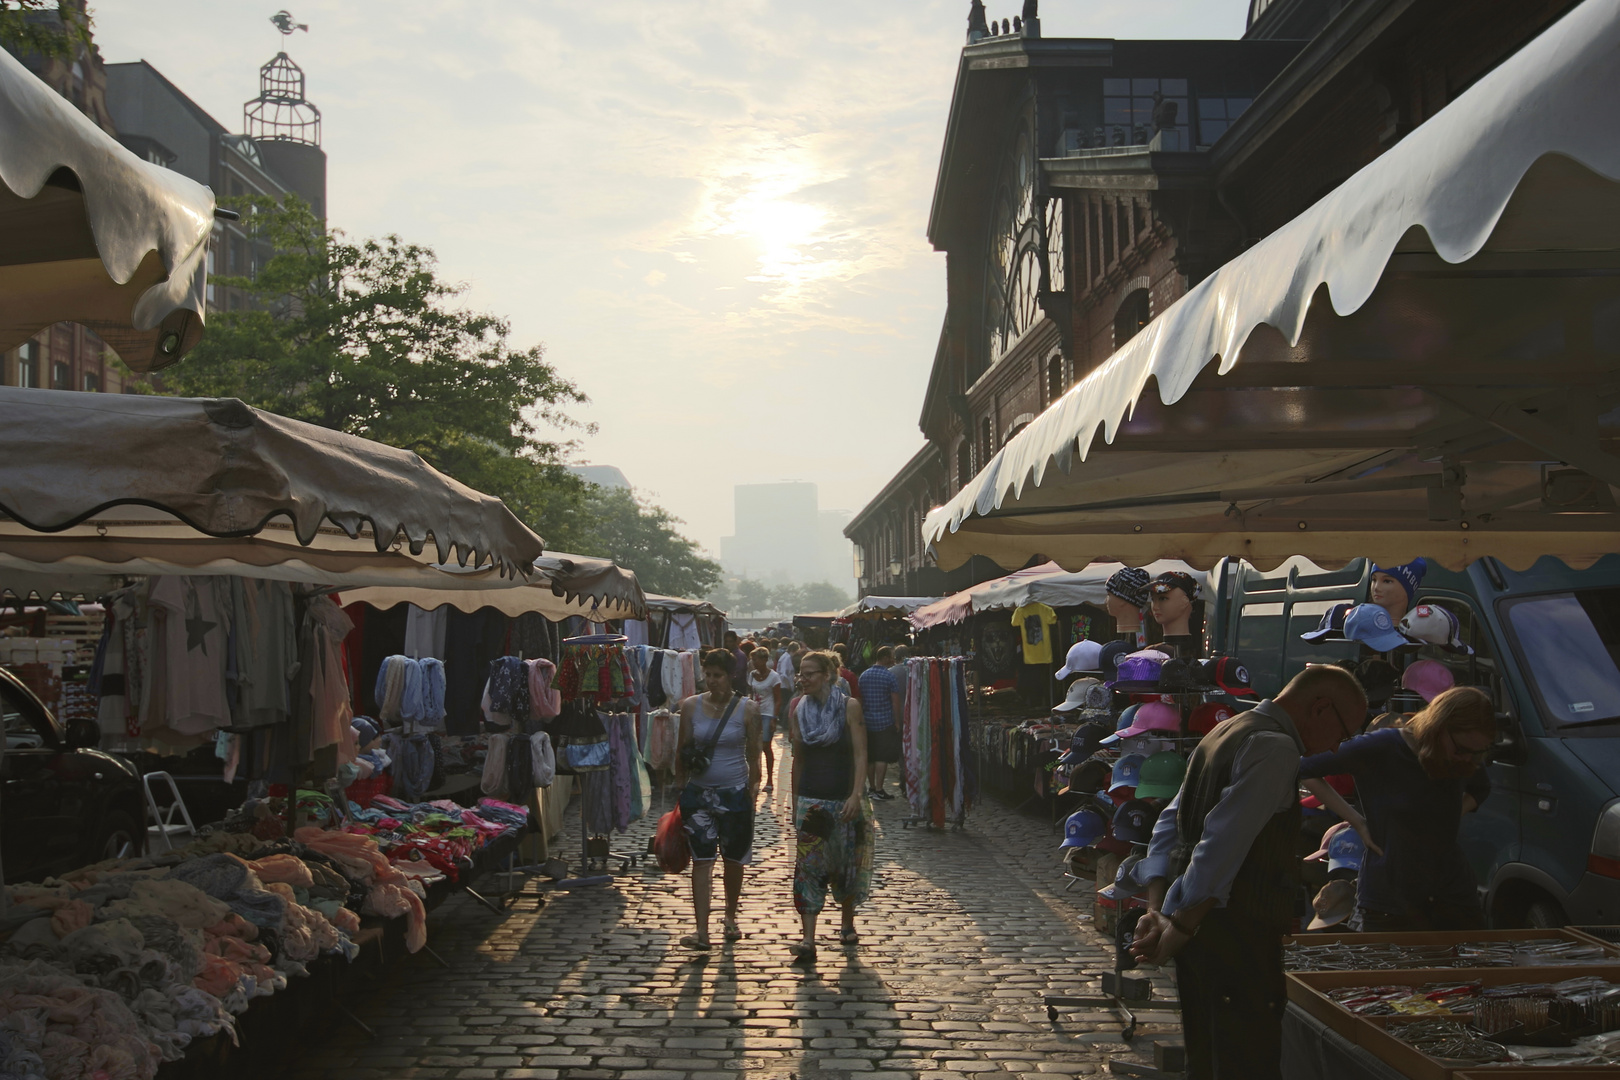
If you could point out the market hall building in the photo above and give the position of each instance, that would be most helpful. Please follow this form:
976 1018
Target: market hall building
1087 184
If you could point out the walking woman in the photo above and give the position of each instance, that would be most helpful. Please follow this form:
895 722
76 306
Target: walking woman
1415 783
831 814
717 770
769 694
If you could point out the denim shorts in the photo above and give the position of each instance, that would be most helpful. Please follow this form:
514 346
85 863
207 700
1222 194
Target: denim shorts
718 821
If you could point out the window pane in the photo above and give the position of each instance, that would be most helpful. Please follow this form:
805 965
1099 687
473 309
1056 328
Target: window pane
1209 131
1116 86
1571 663
1235 107
1144 86
1173 86
1212 108
1260 639
1116 110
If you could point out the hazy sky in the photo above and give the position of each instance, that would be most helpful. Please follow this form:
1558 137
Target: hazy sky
711 214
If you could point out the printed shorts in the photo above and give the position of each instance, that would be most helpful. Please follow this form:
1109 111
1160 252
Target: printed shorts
718 820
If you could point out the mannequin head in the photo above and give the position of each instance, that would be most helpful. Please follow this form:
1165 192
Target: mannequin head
1394 588
1171 597
1127 596
1127 616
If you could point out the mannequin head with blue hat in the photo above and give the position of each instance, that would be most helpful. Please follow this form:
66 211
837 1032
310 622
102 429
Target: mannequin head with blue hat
1394 588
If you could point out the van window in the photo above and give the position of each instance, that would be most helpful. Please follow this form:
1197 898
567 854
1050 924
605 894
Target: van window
1479 670
1571 646
22 733
1303 617
1259 642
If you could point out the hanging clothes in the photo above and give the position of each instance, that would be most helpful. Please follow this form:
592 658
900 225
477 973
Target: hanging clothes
325 627
545 700
636 631
264 636
683 632
196 619
425 632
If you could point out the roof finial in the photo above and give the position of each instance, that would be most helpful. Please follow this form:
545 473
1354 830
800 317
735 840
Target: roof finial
1032 18
283 21
977 30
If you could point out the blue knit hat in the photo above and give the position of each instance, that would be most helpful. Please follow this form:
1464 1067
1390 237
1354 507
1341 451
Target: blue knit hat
1410 575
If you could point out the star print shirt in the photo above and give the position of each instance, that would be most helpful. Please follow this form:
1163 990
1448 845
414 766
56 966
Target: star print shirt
194 622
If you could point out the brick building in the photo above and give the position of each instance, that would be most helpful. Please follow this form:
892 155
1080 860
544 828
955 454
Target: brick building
155 120
1086 184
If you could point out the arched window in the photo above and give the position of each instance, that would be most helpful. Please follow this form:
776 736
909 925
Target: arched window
1134 313
1054 379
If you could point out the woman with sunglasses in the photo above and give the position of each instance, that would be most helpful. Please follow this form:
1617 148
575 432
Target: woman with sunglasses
1414 783
831 814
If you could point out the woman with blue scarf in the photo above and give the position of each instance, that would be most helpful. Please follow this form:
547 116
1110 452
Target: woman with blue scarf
831 814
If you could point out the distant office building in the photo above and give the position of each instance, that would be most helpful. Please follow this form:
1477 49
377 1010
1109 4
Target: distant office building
783 537
607 476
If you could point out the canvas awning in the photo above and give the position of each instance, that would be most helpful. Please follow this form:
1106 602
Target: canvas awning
90 233
1427 361
562 585
958 606
886 605
1066 589
679 606
141 482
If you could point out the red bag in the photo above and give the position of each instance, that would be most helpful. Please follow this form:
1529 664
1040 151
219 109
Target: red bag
669 844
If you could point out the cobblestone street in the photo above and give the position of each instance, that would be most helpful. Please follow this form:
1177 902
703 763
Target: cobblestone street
965 933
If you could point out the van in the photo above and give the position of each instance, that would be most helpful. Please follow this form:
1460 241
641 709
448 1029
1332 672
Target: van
1545 846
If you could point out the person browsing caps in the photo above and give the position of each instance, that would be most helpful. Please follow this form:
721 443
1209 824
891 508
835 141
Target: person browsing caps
880 702
1223 872
717 795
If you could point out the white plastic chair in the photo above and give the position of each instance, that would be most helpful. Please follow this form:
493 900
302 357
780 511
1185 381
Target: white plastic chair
160 837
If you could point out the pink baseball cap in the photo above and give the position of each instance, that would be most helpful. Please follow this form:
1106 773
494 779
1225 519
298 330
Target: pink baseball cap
1150 716
1428 679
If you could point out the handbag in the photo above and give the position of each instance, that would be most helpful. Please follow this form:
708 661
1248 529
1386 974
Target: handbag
670 846
579 740
696 759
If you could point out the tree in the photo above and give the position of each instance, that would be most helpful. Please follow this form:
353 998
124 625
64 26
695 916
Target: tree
364 337
44 27
619 525
750 597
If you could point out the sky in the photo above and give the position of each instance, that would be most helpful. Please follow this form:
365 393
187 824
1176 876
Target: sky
711 214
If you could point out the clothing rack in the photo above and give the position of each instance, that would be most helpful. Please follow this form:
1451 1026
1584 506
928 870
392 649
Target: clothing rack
596 851
934 744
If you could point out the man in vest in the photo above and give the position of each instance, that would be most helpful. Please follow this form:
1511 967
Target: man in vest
1223 867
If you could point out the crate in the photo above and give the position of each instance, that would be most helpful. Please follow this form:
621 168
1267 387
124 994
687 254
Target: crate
1308 990
1461 937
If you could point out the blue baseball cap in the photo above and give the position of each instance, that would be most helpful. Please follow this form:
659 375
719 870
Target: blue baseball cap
1332 623
1126 718
1084 828
1345 851
1127 771
1371 625
1125 879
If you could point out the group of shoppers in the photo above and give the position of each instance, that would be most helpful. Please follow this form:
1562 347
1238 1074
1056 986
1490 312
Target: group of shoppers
724 734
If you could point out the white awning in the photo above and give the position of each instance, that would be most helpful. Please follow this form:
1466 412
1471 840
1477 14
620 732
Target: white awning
1427 361
90 233
886 605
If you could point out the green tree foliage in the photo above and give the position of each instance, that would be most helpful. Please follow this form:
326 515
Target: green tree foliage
619 525
44 28
744 596
365 337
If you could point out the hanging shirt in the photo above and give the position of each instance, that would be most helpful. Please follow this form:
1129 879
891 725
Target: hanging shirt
1035 622
683 632
194 653
425 632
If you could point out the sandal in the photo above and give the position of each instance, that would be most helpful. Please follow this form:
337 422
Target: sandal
802 953
694 941
848 936
733 932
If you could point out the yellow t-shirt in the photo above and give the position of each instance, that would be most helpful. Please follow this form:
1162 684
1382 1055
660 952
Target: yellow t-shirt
1035 622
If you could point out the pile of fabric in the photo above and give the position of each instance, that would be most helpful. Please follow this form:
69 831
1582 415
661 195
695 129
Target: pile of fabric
116 968
431 841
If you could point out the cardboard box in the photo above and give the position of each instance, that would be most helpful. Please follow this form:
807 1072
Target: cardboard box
1308 990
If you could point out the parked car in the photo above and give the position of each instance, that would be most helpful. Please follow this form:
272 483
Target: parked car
65 803
1545 846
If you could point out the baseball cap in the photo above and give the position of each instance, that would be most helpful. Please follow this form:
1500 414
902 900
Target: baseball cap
1127 717
1084 693
1428 679
1371 625
1178 674
1174 579
1345 851
1161 776
1332 624
1082 657
1127 772
1092 775
1138 670
1130 585
1333 905
1084 827
1087 738
1435 625
1108 660
1149 716
1125 883
1228 673
1206 716
1134 821
1146 745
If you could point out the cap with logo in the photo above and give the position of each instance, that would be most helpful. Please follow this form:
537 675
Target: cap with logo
1345 851
1127 772
1174 579
1428 679
1372 626
1085 693
1133 822
1161 776
1434 625
1146 745
1108 661
1130 585
1125 879
1084 828
1228 673
1127 717
1082 657
1206 716
1334 904
1149 716
1332 624
1139 670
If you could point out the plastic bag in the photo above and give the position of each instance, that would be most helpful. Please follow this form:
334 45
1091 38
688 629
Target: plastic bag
669 844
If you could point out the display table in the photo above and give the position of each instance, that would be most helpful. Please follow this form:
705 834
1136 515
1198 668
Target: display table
1313 1051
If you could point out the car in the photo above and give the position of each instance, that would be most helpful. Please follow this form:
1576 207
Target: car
65 803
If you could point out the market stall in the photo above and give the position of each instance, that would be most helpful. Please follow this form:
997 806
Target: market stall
676 623
872 621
